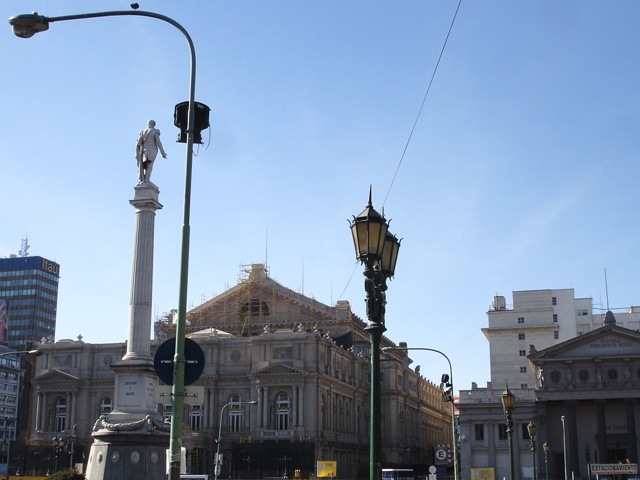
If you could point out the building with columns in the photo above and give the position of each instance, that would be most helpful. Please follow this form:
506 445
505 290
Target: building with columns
305 365
581 392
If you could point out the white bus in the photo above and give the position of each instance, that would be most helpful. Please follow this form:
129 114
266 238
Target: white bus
397 474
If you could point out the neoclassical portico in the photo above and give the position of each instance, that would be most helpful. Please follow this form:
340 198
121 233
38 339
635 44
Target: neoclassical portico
594 382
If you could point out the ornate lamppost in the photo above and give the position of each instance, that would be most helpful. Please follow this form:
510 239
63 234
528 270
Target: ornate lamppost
58 443
508 402
378 249
546 449
531 428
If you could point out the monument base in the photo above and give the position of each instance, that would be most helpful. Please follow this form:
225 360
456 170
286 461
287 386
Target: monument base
119 454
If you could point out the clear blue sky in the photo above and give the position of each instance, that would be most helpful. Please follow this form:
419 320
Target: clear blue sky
522 172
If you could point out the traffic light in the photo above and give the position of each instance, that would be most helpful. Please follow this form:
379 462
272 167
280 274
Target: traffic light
447 390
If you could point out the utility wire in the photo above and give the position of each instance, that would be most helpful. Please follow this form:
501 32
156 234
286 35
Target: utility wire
422 105
412 129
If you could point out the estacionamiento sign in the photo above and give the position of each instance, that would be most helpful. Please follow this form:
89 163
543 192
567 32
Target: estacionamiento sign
615 468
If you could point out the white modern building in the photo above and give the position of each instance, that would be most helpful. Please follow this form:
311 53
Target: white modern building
539 319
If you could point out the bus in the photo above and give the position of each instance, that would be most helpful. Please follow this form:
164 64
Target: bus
397 474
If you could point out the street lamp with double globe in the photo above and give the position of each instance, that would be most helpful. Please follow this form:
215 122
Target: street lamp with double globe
378 249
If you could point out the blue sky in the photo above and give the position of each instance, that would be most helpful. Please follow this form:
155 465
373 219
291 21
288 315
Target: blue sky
521 174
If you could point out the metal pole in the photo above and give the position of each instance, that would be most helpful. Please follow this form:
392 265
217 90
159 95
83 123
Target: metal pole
510 439
564 447
375 446
217 466
375 287
546 461
533 455
9 452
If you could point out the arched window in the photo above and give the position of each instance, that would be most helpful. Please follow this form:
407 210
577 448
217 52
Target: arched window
235 413
106 406
283 411
61 414
255 308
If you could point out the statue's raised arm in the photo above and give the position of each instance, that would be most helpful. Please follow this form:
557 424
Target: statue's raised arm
147 150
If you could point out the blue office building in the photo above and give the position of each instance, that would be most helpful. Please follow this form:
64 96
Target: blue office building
28 300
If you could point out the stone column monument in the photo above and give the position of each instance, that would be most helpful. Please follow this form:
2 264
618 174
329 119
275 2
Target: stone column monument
130 442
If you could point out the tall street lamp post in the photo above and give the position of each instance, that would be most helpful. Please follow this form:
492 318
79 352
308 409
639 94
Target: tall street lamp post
508 402
531 428
454 437
27 25
217 459
546 449
378 249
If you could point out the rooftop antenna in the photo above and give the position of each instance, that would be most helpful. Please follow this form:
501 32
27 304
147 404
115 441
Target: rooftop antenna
606 288
266 248
24 251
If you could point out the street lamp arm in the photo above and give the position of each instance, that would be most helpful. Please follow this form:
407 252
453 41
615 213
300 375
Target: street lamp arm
393 349
453 415
37 353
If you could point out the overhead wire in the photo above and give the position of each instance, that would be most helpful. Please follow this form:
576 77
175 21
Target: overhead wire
424 99
415 123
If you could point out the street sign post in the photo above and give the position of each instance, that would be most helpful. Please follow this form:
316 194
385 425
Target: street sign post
163 361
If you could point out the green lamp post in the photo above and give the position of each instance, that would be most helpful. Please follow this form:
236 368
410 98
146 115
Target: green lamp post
546 449
508 402
531 428
377 249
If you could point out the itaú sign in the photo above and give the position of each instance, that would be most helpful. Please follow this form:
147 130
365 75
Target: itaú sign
614 468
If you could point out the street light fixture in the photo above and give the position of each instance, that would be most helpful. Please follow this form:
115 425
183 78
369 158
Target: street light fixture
546 449
58 443
450 398
531 428
217 459
27 25
378 250
508 402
